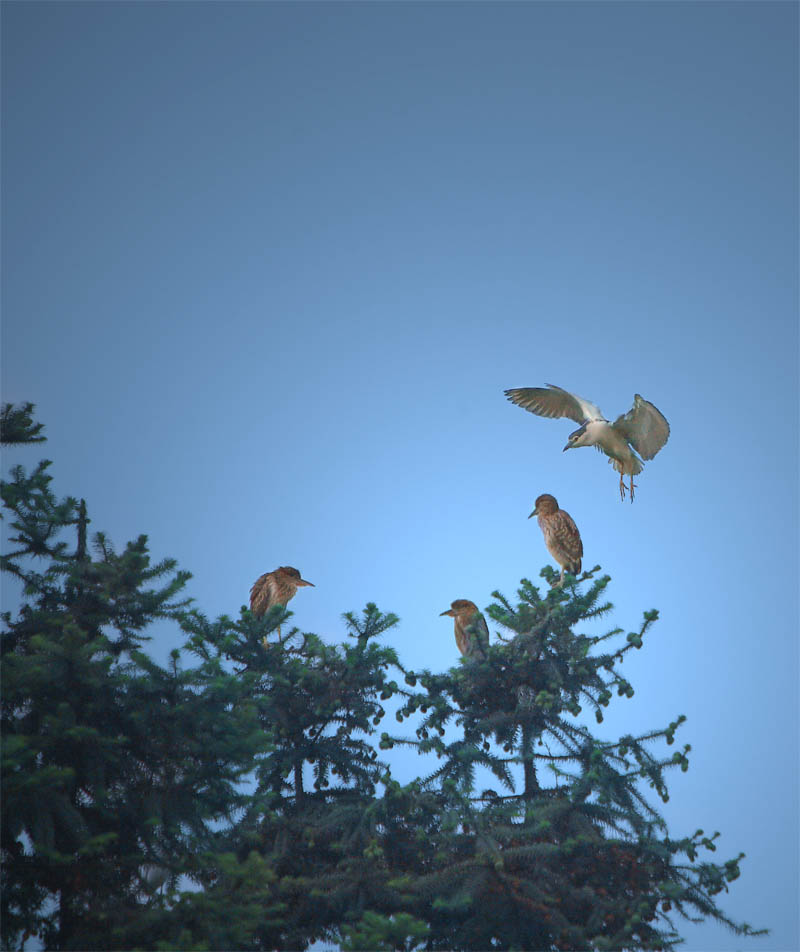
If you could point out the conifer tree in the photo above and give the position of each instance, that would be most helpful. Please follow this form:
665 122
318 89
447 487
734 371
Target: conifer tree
564 850
113 767
310 829
241 803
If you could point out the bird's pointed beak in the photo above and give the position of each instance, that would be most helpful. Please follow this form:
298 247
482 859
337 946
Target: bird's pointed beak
302 581
448 612
567 447
532 514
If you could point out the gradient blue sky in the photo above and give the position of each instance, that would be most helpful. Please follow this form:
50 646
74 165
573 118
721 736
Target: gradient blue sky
268 268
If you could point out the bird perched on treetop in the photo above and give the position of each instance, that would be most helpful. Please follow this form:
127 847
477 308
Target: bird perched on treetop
643 428
561 535
471 630
275 588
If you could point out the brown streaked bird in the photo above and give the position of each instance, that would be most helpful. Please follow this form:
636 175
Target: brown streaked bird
561 535
275 588
471 630
643 428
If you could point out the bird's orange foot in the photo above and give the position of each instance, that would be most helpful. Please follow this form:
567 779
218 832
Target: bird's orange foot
623 488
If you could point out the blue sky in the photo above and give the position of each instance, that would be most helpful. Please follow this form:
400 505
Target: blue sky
268 268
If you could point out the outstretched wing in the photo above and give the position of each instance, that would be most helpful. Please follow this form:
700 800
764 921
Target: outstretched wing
554 402
644 426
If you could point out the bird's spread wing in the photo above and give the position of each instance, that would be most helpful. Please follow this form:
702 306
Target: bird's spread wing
644 427
554 402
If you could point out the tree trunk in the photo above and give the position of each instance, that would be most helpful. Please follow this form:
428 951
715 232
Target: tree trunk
528 770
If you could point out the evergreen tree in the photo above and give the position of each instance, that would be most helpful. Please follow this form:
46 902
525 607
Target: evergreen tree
565 850
241 803
113 767
310 830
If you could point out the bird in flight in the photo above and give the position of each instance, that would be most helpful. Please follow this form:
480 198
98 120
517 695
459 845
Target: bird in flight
471 631
643 429
275 588
561 535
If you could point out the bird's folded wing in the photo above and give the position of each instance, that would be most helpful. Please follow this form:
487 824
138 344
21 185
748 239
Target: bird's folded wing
260 593
553 402
644 426
259 583
479 631
567 534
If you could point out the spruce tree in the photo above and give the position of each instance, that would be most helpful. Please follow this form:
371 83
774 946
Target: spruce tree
565 849
302 859
241 802
113 767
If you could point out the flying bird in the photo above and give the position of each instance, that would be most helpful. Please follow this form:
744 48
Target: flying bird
561 535
471 631
275 588
643 429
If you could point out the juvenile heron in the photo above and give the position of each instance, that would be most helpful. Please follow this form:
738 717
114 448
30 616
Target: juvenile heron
275 588
642 429
561 535
471 631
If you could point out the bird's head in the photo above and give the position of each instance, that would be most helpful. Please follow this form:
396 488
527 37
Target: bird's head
293 576
460 607
576 438
545 505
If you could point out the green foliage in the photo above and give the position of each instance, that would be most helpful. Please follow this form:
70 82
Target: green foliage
374 931
566 850
243 802
313 814
111 765
18 426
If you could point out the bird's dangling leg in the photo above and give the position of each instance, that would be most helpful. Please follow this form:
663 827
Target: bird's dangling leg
624 489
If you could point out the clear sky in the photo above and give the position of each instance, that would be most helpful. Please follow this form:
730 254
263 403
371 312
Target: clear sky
268 268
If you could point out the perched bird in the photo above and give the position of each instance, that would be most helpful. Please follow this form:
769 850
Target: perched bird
642 429
561 535
275 588
471 631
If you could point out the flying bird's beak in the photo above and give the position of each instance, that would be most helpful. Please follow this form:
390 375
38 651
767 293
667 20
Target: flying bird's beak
448 612
532 514
567 447
302 581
